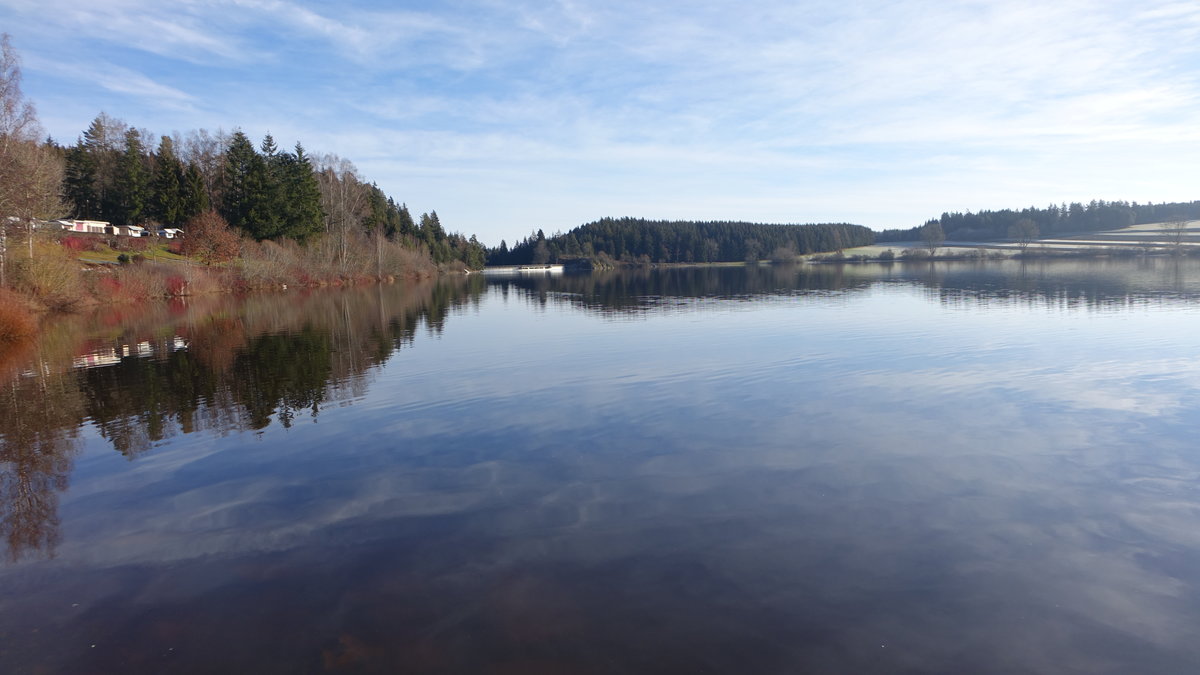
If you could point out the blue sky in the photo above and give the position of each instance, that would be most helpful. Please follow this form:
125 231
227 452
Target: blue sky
508 116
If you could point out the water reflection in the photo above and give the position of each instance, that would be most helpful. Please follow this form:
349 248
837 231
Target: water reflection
1095 283
222 365
856 469
39 419
218 365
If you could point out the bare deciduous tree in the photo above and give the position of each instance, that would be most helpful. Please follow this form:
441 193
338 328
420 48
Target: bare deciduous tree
1024 231
30 173
1176 229
933 236
207 151
344 201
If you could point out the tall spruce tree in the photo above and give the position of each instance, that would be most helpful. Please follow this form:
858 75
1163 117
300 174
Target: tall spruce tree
168 185
79 182
193 197
377 211
301 197
103 141
407 226
271 219
246 198
133 181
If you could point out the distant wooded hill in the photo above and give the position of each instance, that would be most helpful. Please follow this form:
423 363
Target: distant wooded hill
1050 221
639 240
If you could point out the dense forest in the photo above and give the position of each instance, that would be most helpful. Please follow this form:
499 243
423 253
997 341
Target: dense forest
638 240
111 174
117 173
1051 221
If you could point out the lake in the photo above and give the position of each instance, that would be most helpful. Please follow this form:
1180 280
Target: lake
961 467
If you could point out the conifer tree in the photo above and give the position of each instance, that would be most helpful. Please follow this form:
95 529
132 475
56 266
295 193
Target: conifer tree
193 198
133 181
246 204
268 147
407 226
79 180
301 197
377 211
103 142
168 188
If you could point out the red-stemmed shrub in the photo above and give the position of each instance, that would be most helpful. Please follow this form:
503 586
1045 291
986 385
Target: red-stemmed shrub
210 239
16 321
176 285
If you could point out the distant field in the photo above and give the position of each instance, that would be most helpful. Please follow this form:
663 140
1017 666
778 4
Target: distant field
1153 235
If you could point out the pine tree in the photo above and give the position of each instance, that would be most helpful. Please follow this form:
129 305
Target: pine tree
168 185
193 198
377 211
79 180
268 147
407 226
133 181
247 196
102 141
476 256
302 216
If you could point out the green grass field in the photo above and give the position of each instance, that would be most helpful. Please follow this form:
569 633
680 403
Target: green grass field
156 252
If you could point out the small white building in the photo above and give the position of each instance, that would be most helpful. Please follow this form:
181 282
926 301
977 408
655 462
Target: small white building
130 230
89 226
170 232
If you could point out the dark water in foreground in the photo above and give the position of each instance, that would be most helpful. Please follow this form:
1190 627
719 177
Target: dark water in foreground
966 468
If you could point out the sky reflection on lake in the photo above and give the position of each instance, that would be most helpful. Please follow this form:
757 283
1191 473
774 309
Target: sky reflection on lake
964 468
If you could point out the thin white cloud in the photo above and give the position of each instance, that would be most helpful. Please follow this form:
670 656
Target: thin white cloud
169 30
800 104
115 79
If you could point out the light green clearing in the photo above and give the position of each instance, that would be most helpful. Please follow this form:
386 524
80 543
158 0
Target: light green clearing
156 253
1117 239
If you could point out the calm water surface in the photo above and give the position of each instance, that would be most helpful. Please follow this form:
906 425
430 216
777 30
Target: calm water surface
960 468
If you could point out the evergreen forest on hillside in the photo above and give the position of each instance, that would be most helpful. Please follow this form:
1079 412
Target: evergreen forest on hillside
111 174
639 240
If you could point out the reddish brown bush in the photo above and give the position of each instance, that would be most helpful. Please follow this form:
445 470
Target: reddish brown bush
210 239
76 244
131 244
16 321
176 285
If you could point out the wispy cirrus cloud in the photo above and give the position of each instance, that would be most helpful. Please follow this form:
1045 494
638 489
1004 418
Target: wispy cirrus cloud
809 104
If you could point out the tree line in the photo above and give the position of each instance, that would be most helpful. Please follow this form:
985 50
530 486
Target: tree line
127 176
264 192
640 240
1052 220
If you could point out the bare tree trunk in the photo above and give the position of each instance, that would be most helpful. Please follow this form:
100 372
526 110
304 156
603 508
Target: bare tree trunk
378 254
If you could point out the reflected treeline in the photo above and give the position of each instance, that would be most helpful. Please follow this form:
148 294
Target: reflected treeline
36 456
642 289
217 365
1093 284
1068 283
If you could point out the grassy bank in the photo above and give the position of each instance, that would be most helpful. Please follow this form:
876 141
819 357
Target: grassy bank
57 272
